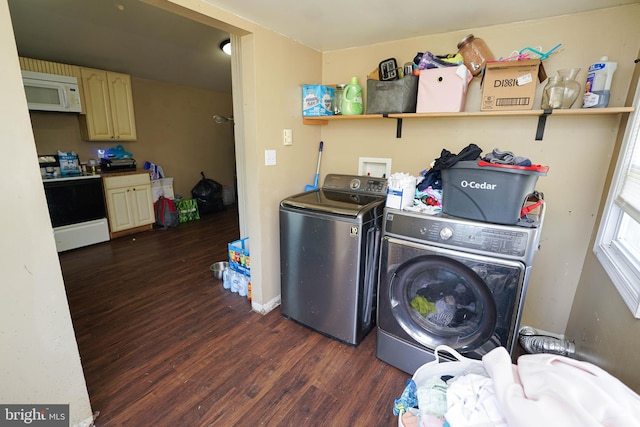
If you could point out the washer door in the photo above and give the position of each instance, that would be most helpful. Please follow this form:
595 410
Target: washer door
438 300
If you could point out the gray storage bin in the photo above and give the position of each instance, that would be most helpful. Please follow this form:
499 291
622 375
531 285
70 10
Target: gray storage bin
396 96
488 193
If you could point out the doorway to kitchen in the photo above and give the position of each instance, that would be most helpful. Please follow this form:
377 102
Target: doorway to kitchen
180 79
67 120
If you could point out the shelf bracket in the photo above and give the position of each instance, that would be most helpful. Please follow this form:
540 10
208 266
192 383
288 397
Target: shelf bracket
398 128
542 122
398 125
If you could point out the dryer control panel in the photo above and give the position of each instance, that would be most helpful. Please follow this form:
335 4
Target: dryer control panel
460 234
490 240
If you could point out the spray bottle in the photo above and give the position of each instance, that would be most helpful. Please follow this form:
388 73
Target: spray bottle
352 99
598 83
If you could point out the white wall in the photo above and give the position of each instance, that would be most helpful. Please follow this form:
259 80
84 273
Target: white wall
39 362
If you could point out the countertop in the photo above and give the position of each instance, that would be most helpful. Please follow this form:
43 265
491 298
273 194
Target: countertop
93 176
122 172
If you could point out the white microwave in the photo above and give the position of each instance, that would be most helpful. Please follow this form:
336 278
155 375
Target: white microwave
50 92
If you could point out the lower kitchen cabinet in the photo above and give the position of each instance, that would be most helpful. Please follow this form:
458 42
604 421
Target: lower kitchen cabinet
129 203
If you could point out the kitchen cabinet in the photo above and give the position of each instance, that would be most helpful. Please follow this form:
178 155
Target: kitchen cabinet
129 203
108 105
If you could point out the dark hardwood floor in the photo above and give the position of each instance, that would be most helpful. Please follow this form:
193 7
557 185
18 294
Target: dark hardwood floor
163 344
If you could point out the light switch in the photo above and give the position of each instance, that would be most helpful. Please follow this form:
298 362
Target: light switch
287 137
269 157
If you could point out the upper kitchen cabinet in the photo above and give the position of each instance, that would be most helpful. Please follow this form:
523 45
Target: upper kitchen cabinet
108 105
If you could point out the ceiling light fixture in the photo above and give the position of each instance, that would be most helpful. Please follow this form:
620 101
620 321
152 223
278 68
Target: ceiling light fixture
226 46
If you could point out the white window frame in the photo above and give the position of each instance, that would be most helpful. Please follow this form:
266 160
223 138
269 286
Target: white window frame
622 266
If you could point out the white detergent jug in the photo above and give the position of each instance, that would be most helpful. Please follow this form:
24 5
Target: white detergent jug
599 76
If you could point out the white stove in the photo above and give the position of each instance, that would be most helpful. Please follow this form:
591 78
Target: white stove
77 210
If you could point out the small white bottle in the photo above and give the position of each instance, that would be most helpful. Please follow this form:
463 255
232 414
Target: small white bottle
598 85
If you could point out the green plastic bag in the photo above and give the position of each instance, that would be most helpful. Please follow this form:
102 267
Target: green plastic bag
187 210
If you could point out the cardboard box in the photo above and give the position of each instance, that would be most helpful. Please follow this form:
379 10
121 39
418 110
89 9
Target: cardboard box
509 85
239 259
395 96
317 100
443 90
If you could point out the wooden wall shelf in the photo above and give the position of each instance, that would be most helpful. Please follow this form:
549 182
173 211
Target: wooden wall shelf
541 114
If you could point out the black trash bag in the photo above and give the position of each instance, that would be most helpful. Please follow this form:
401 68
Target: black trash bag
208 195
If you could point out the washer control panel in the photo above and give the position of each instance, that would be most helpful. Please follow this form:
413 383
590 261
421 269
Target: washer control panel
356 184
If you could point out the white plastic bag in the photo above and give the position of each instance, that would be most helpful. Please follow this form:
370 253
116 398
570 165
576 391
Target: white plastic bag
439 367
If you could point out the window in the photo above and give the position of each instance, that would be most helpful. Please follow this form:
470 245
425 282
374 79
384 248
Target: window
618 242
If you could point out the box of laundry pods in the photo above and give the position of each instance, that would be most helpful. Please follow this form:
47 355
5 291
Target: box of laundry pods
317 100
488 192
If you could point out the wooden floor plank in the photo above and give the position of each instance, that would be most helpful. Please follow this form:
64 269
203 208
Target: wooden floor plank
163 344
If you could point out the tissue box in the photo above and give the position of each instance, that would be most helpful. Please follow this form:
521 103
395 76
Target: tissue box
509 85
443 90
317 100
396 96
401 191
398 198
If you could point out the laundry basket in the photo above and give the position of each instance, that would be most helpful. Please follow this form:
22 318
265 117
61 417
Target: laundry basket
439 367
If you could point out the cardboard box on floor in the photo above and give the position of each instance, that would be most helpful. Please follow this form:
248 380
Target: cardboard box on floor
511 85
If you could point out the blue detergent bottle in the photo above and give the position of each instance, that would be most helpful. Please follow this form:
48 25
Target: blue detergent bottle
352 104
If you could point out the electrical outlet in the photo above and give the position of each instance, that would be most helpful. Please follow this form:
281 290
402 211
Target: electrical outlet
287 137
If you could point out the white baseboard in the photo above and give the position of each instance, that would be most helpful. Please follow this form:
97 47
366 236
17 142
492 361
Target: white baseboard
265 308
